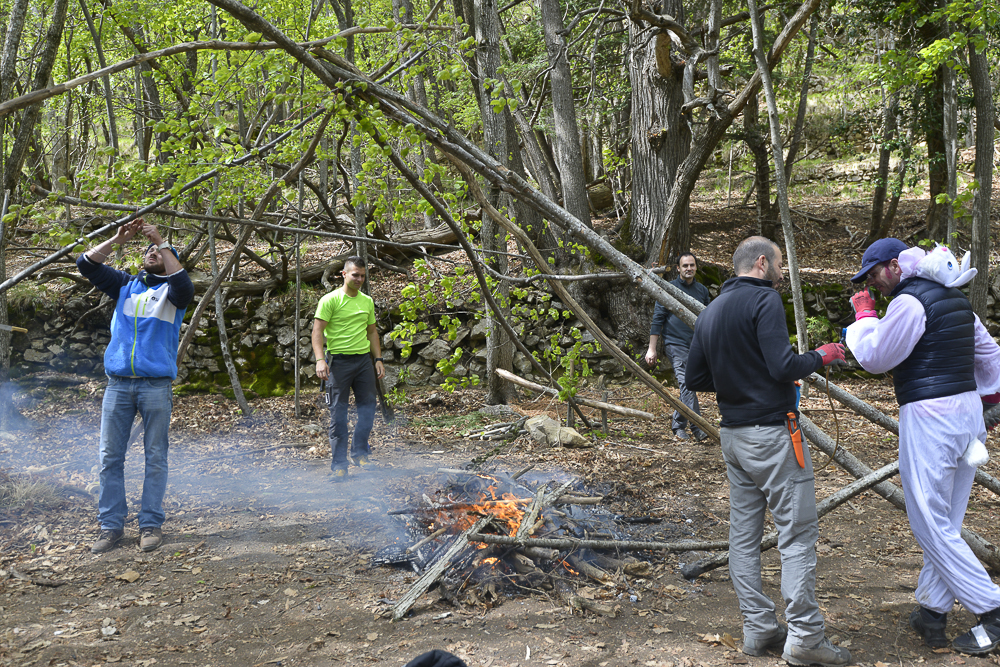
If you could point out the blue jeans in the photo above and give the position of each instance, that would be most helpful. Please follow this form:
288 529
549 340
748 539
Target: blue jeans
347 372
153 399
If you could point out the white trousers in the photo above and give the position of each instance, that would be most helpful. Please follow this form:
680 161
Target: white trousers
933 435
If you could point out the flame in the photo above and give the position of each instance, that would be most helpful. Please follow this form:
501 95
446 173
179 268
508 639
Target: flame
490 561
461 514
568 568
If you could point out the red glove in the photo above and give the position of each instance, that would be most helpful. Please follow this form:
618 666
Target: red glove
863 304
831 352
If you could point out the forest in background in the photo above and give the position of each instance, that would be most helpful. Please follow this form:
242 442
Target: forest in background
514 123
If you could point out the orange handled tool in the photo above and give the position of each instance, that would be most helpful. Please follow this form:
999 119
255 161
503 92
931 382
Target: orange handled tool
793 430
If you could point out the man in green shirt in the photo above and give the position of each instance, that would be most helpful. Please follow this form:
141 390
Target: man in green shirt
343 335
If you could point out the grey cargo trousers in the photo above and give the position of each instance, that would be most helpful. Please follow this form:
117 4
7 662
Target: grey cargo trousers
763 473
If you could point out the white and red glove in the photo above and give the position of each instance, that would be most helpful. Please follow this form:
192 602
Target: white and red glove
863 305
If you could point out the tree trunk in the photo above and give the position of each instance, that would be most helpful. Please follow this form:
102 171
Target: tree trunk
106 80
12 41
25 130
767 220
567 132
416 92
937 170
757 25
660 141
800 118
979 75
950 133
889 113
499 348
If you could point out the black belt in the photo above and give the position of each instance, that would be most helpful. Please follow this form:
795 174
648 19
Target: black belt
346 356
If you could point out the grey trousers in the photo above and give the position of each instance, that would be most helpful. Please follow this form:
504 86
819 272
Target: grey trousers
679 357
763 473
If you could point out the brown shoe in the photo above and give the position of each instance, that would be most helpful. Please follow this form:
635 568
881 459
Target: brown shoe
150 538
106 541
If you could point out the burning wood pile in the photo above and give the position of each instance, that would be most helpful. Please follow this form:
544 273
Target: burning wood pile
469 536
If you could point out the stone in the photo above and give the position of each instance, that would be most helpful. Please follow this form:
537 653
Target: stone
437 378
36 357
435 351
391 378
418 374
55 349
611 366
479 330
286 336
270 311
522 363
547 431
531 340
480 355
460 336
421 338
460 371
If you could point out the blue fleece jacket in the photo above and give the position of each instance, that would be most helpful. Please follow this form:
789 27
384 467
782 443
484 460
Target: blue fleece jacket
145 328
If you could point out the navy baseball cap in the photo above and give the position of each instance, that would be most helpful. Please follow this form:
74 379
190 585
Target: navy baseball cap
882 250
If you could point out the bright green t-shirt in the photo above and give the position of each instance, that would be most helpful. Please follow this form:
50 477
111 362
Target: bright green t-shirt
348 319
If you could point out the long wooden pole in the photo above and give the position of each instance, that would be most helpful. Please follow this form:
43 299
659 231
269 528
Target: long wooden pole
610 407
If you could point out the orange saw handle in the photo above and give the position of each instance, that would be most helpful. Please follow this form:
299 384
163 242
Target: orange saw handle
793 430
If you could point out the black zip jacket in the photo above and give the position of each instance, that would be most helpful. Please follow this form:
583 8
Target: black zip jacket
741 352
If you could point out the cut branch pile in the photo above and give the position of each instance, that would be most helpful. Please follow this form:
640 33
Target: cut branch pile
475 542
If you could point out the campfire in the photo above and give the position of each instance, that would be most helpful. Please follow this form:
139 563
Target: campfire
467 536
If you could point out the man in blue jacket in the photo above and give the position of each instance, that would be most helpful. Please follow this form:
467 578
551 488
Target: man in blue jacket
741 351
677 340
141 364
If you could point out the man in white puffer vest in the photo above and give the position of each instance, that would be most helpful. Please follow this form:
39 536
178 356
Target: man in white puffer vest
942 360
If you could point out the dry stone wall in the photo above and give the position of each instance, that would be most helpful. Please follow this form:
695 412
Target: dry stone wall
70 336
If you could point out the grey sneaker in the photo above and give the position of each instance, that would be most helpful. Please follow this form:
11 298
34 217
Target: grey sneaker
824 654
760 646
150 538
681 434
107 540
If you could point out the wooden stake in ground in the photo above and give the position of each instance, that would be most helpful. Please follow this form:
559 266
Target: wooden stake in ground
435 571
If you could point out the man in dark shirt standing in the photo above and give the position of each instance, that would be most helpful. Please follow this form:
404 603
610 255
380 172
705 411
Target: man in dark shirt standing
677 340
741 351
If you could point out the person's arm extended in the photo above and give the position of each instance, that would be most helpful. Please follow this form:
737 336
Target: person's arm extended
319 348
376 350
783 363
881 345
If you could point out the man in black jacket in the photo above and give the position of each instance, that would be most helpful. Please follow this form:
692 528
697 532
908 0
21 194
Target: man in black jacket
741 351
677 340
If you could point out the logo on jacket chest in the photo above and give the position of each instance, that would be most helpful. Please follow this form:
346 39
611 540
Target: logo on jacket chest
151 303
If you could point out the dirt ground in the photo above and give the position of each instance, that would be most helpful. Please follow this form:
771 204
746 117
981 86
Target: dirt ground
266 561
